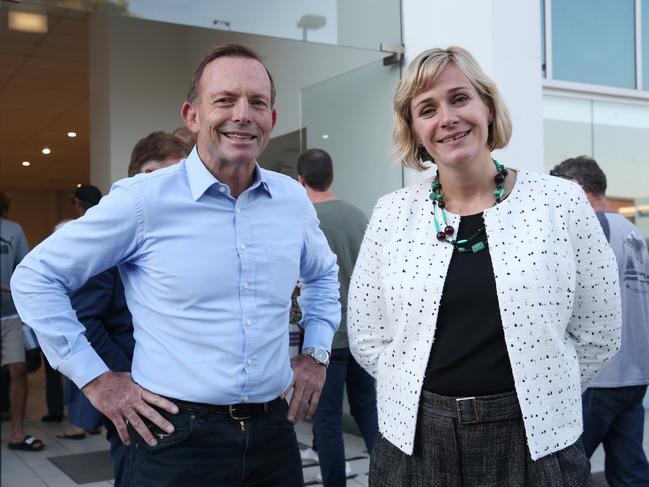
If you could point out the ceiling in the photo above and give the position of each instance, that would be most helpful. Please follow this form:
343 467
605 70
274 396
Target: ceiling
44 95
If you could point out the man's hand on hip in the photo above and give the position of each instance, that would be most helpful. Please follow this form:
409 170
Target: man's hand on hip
121 400
308 380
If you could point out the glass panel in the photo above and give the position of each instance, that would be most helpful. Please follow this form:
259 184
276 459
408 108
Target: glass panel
616 135
566 128
339 22
593 42
621 147
350 116
543 60
645 44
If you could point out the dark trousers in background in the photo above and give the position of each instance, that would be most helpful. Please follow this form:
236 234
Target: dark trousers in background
53 389
213 450
118 455
615 418
327 422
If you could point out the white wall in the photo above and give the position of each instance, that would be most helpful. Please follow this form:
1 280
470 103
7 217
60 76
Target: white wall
505 38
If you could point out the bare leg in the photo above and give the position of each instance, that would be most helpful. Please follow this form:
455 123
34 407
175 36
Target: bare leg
18 400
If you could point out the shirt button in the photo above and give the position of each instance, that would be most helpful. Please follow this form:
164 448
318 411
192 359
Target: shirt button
245 284
249 322
222 189
243 246
238 210
249 361
245 398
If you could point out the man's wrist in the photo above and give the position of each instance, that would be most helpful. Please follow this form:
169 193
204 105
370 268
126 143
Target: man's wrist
319 355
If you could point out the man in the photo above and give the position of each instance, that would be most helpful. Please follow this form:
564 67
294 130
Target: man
155 151
84 197
209 251
613 411
100 306
13 247
344 226
187 136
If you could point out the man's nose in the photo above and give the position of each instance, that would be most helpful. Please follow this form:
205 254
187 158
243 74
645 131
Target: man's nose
241 111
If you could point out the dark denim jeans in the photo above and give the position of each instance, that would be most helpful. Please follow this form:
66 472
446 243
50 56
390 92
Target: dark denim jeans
361 392
615 418
213 450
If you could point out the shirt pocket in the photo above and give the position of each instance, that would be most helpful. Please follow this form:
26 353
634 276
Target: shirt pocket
283 271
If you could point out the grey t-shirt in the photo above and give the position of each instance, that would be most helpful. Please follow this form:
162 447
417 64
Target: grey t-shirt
344 226
13 247
630 367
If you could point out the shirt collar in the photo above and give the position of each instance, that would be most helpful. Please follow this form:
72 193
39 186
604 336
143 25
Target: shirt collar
201 179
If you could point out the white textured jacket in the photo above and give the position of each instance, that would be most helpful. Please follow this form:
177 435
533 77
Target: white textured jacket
558 293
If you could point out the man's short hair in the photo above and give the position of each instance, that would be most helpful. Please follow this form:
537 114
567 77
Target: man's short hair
157 146
5 202
316 168
585 171
87 195
187 136
226 50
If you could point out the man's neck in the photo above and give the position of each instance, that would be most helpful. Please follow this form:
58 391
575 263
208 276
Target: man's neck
238 176
319 196
598 202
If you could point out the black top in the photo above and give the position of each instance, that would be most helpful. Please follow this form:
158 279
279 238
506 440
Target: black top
469 355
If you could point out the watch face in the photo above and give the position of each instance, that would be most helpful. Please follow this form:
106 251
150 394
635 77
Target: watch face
320 356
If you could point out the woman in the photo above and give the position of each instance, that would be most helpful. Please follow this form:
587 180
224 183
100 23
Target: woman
482 301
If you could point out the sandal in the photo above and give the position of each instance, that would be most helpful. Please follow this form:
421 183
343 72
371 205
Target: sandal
77 436
29 443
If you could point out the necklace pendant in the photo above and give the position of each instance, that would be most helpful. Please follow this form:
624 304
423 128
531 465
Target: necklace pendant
449 230
441 236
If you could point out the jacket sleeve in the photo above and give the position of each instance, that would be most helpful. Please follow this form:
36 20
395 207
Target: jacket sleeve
596 322
367 320
94 303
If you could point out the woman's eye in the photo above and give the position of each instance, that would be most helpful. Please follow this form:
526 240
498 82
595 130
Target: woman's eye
460 99
427 111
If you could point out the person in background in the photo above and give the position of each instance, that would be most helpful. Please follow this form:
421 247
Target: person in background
187 136
482 300
13 248
155 151
344 226
613 412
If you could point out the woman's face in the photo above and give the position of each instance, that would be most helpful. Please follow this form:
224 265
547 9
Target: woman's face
451 120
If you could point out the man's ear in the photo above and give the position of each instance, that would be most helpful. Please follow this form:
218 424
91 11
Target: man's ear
300 180
189 114
274 115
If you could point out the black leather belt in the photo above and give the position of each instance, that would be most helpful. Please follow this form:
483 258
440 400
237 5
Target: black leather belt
237 412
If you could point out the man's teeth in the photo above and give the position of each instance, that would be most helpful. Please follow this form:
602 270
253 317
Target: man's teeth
239 137
459 136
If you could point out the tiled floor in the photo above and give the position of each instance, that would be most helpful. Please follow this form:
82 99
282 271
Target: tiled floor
27 469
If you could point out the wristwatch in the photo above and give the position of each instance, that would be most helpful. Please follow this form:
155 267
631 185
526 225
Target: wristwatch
320 355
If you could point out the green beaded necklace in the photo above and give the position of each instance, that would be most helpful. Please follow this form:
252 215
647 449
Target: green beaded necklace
446 235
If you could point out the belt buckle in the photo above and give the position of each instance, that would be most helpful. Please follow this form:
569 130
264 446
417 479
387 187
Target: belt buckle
474 405
233 415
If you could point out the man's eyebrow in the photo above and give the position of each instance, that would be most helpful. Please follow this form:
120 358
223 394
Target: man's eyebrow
231 94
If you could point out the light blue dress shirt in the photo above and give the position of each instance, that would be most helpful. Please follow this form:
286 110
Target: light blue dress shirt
208 279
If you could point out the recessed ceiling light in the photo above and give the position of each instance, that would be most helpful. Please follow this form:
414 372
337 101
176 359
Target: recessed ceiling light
46 150
325 136
26 163
28 22
79 185
72 134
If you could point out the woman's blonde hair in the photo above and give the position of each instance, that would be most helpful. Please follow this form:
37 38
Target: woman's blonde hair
419 75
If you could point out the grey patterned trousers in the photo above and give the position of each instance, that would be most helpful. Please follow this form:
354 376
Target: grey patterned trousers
473 444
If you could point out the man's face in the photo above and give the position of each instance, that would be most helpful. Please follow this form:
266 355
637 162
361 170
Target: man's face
232 115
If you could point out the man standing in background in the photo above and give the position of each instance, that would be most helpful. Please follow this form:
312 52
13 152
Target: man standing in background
13 247
344 226
613 410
